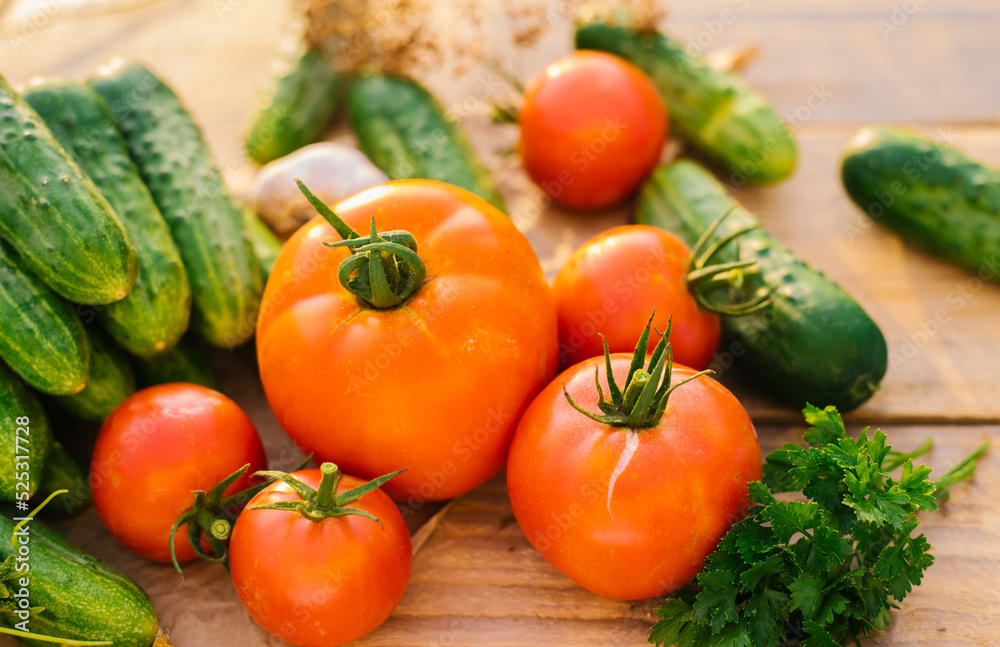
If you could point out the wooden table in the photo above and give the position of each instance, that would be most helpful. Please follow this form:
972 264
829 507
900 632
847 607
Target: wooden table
832 66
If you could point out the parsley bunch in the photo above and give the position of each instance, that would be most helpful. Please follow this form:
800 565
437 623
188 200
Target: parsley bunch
816 573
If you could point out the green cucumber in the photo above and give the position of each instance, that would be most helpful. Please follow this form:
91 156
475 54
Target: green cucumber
813 342
62 473
71 594
185 363
303 104
25 439
155 313
54 216
266 245
176 165
931 194
712 109
404 131
111 381
41 337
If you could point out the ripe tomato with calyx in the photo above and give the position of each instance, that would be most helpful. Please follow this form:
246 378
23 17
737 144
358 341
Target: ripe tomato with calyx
628 495
417 347
592 127
319 558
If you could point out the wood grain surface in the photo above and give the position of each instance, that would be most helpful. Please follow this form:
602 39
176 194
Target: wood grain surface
830 67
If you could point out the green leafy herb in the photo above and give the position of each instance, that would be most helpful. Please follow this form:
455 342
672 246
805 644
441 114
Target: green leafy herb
821 572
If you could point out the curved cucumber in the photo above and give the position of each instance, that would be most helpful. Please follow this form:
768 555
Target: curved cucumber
176 165
72 595
715 110
41 337
111 381
62 473
25 439
403 130
185 363
930 193
155 313
266 245
304 102
813 343
54 216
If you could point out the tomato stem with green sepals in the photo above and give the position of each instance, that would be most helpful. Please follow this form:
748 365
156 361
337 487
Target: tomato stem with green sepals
384 270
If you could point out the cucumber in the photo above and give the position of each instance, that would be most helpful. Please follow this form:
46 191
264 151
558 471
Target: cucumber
54 216
25 439
813 342
72 595
111 381
41 337
185 363
155 313
403 130
266 245
931 194
205 223
62 473
714 110
304 103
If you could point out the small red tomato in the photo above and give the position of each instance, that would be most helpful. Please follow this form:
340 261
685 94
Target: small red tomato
592 127
155 449
327 572
629 498
610 285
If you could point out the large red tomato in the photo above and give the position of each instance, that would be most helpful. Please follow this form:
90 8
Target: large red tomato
158 446
631 513
436 383
609 286
592 127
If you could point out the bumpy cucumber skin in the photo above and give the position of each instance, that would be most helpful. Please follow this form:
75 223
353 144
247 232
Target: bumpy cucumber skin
111 381
176 165
80 596
17 400
185 363
814 343
41 337
266 245
156 312
403 130
305 100
54 216
931 194
715 110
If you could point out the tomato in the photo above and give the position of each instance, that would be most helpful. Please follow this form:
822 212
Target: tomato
158 446
436 382
592 127
325 582
631 513
611 283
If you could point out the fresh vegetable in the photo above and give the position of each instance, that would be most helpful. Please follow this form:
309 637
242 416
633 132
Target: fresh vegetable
54 216
824 571
155 313
265 244
810 341
184 363
319 558
712 109
72 595
332 171
25 439
628 495
41 338
403 129
155 449
607 288
63 473
206 224
111 381
930 193
592 127
427 365
301 106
